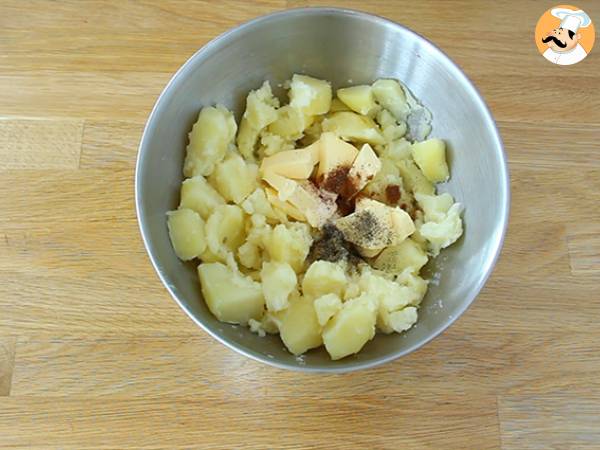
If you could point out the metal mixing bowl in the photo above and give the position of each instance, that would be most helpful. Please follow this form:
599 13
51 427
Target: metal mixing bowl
345 47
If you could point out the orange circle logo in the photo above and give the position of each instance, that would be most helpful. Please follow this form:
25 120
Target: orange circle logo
565 35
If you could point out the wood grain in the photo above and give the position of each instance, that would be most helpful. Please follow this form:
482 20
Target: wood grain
40 144
199 421
93 352
7 362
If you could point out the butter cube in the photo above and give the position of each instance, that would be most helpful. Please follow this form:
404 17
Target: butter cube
297 164
365 167
334 153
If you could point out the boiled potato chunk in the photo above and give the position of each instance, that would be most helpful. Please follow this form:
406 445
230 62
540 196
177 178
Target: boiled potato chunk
397 258
257 203
358 98
414 179
230 296
197 194
351 328
338 105
186 230
261 107
273 143
444 233
353 127
278 281
326 307
430 156
300 330
290 123
404 319
284 207
391 129
235 179
310 95
246 139
261 110
435 207
209 139
390 95
289 244
249 255
324 277
225 230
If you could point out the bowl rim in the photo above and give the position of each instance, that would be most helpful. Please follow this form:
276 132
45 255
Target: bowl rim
499 238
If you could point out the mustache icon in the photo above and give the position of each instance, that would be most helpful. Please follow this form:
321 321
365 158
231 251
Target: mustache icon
555 40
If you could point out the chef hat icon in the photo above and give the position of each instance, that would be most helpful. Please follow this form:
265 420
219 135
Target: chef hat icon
571 20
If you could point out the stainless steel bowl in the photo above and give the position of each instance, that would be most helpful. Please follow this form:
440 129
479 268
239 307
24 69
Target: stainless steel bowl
345 47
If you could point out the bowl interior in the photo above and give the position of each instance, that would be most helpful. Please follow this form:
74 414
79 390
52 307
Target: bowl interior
346 48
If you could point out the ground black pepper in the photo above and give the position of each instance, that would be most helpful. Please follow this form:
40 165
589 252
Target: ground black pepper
331 246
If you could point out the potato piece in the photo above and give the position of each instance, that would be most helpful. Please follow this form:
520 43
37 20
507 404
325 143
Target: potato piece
444 233
353 127
338 105
257 203
397 150
278 281
389 294
289 244
390 95
351 328
249 255
225 229
235 179
209 257
435 207
404 319
430 156
198 195
209 139
246 140
417 285
230 296
334 153
299 329
326 307
290 123
260 112
285 207
310 95
296 164
324 277
261 107
358 98
270 144
413 178
397 258
390 128
186 230
313 132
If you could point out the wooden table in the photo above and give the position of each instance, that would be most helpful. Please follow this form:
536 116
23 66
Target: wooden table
94 353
